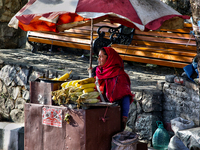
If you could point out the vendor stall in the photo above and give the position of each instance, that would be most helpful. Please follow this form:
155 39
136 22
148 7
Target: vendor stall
52 126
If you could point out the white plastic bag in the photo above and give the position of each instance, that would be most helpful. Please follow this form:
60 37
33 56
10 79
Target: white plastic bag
176 144
181 124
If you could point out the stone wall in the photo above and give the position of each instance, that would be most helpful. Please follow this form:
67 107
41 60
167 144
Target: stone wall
170 100
181 101
10 37
182 6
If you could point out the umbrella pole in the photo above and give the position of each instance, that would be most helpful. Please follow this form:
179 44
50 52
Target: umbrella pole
91 49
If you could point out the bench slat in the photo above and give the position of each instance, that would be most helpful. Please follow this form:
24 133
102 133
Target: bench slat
154 61
164 45
60 43
154 54
164 40
166 34
155 49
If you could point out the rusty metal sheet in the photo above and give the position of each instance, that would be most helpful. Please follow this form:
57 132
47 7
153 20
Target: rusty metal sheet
75 130
40 92
86 129
33 130
101 125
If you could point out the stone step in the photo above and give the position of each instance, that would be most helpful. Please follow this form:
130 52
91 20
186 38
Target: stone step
11 136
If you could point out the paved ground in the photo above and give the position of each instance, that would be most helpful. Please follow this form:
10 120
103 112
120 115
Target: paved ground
141 75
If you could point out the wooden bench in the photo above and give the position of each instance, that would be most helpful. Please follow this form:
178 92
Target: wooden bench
78 38
172 48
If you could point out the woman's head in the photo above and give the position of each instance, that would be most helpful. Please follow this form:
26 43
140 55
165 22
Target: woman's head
102 57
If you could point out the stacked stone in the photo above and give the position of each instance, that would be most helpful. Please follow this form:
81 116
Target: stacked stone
14 90
10 37
181 101
144 113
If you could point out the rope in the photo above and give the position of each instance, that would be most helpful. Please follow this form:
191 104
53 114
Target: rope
104 117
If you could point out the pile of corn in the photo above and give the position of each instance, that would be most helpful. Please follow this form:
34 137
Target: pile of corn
76 91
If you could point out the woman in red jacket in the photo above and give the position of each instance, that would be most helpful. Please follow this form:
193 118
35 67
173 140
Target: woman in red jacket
113 80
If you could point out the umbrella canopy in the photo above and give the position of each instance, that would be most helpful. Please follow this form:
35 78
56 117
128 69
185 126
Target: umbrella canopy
58 15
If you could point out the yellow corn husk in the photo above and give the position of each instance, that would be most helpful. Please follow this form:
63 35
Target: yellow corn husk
74 89
77 85
64 77
88 90
55 79
54 98
76 94
64 84
91 101
89 95
86 81
74 82
73 98
89 85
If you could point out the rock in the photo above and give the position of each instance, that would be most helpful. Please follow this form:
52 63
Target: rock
21 77
152 100
146 125
17 115
7 74
15 92
170 78
26 95
132 116
19 104
160 84
9 106
34 75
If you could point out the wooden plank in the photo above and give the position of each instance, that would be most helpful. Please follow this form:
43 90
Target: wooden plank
187 25
154 61
166 34
163 45
183 30
82 39
164 40
61 43
126 48
155 55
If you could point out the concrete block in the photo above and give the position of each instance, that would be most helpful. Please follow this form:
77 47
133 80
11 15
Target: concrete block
10 137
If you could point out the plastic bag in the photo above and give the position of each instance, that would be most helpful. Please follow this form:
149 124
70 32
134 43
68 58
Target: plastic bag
176 144
190 138
125 141
181 124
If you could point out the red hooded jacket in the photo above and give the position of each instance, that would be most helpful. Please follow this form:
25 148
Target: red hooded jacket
113 77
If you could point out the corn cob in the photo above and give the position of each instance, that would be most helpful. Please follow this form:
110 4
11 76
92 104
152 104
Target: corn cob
64 77
64 84
55 79
91 101
86 81
74 82
76 94
89 85
77 85
88 90
89 95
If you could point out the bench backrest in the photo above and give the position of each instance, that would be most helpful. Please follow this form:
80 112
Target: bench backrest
174 48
